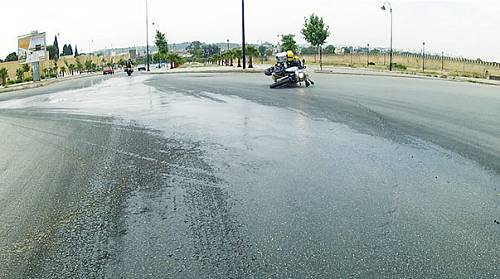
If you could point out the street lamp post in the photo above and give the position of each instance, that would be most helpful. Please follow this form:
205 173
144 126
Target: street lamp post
243 34
228 45
147 37
390 51
423 57
368 55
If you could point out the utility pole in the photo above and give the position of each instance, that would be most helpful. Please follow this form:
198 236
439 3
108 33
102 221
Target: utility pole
243 34
147 37
423 57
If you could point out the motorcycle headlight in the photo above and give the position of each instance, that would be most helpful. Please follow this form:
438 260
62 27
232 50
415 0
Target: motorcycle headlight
302 75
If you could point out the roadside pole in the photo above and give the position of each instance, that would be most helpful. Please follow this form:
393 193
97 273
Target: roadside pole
243 34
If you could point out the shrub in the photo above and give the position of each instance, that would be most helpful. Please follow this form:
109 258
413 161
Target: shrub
10 82
398 66
371 64
27 79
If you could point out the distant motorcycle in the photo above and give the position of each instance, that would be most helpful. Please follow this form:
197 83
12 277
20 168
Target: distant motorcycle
129 70
287 77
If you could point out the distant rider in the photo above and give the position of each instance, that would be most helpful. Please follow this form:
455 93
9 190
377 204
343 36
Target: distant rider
129 63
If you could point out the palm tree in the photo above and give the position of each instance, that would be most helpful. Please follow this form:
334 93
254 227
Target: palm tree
72 68
4 74
230 54
238 53
251 53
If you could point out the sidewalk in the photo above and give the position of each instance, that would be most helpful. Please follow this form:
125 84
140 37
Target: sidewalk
32 84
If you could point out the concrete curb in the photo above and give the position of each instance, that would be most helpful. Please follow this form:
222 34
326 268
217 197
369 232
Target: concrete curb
401 75
32 85
207 71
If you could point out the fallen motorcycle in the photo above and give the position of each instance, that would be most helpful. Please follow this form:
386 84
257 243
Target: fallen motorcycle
284 76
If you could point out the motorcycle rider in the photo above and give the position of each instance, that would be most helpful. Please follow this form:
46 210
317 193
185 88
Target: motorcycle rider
129 63
293 60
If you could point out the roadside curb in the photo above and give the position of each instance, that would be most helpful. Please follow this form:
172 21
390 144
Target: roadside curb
207 71
43 83
384 74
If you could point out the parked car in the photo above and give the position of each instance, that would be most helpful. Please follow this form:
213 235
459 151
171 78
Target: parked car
108 71
141 68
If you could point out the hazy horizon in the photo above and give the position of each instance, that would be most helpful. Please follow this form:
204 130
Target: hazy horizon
459 28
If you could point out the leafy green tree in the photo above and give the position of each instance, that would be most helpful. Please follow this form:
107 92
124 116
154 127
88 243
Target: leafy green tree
63 70
88 65
262 52
161 43
330 49
79 66
210 49
195 49
252 52
55 69
19 74
26 68
316 32
11 57
238 53
4 74
288 43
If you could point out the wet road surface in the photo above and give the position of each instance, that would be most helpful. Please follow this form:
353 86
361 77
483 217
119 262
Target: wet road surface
217 176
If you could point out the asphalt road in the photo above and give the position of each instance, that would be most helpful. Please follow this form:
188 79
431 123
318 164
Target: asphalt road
217 176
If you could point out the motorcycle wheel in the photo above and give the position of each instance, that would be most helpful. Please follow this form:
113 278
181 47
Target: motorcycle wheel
129 73
280 83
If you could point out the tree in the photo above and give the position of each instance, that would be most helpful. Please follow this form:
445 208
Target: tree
11 57
195 49
71 69
161 43
4 74
56 48
262 52
210 50
67 50
238 53
52 52
55 69
26 68
288 43
88 65
316 32
76 51
20 74
63 70
79 66
330 49
251 53
175 59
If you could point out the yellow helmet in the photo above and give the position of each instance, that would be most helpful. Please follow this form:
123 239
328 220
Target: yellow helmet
289 55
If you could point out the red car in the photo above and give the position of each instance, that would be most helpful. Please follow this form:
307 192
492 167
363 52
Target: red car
108 71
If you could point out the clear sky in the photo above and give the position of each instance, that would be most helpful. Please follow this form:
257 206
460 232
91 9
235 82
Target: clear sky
462 27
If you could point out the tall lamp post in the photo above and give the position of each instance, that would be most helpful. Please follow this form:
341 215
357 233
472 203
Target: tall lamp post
423 57
243 34
390 11
147 37
367 55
